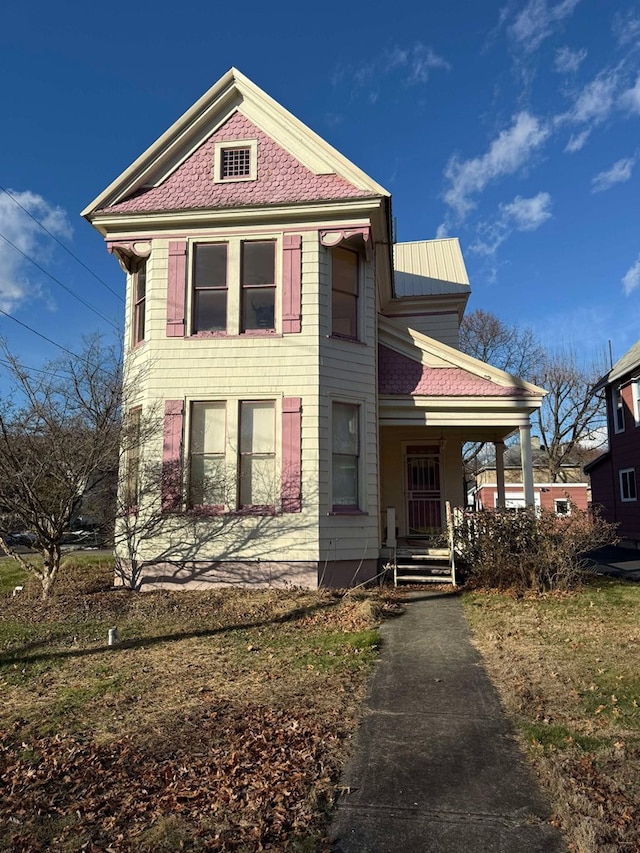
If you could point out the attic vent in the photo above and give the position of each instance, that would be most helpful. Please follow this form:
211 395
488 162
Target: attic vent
235 161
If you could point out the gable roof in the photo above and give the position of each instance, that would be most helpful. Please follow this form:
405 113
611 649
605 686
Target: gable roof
136 189
411 363
629 362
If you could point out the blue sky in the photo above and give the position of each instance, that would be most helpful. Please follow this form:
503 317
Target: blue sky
512 125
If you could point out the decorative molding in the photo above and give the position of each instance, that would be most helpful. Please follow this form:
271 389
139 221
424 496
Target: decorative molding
335 236
129 253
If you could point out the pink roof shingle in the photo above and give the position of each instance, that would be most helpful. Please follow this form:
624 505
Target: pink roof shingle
400 375
281 179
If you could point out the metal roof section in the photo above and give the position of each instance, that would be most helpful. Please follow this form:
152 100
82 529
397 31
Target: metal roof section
429 268
629 362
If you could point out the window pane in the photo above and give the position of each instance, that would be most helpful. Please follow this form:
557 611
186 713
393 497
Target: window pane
345 428
139 321
210 311
259 263
345 480
344 313
258 308
210 265
257 480
141 281
207 481
257 427
344 271
208 428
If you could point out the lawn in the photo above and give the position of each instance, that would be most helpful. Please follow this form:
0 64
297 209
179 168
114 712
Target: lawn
568 671
220 721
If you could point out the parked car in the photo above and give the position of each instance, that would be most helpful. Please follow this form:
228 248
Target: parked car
21 537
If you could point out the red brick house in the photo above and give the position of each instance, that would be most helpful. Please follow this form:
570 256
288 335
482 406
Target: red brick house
613 474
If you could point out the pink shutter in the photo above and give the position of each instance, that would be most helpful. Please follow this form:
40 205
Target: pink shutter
176 285
292 284
172 455
291 454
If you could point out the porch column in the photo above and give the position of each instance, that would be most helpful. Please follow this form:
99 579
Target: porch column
527 464
499 451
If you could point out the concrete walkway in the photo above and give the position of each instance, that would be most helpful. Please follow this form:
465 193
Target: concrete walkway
435 767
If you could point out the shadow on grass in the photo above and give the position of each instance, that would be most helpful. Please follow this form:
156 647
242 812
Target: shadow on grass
19 656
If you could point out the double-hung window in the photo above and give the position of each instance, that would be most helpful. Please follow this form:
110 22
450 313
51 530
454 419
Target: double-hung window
209 312
345 463
628 484
258 274
132 459
257 454
139 302
345 280
207 480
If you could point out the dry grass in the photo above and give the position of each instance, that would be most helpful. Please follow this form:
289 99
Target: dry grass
219 722
567 668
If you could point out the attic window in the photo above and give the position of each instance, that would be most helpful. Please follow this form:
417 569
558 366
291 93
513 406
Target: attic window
235 161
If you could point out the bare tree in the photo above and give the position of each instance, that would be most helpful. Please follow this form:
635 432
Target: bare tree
59 438
511 348
570 414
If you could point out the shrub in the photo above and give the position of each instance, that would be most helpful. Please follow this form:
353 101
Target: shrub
529 549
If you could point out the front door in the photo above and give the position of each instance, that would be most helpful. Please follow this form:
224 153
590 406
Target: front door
424 514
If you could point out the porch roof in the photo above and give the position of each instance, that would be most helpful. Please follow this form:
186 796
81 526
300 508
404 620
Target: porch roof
399 375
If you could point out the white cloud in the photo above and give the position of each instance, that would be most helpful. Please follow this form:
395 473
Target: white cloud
521 214
537 21
18 279
568 61
630 99
631 279
626 27
596 100
508 153
418 61
414 65
619 173
577 141
527 214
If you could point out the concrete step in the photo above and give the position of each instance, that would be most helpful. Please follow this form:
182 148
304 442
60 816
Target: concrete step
402 578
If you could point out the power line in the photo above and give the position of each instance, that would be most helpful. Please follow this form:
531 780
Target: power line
57 281
39 334
60 243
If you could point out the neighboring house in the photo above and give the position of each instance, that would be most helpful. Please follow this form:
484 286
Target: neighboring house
614 485
571 489
307 369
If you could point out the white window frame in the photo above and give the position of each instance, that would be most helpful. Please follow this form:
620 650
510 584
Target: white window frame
566 501
231 458
219 147
635 396
345 246
617 405
360 506
234 288
138 335
628 476
220 455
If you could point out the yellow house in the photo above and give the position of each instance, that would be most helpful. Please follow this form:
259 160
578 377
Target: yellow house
304 371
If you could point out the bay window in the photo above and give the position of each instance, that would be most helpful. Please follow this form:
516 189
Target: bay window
209 287
345 275
258 274
207 485
345 462
257 454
